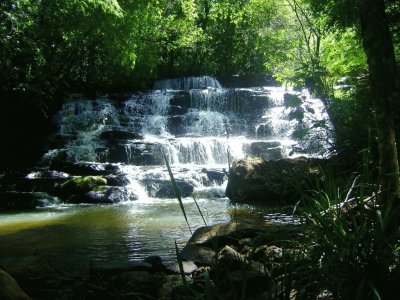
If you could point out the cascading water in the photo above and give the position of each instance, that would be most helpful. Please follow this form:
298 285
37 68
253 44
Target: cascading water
197 125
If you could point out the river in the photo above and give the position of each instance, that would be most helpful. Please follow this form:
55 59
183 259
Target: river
195 125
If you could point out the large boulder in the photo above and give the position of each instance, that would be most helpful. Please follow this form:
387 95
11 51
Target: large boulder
81 185
256 179
93 189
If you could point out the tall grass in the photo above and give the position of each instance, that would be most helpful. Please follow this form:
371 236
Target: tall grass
177 191
180 264
352 244
199 210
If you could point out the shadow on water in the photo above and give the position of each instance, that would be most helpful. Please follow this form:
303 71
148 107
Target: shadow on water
79 234
72 236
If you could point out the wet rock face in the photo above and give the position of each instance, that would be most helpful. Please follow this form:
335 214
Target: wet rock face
84 168
116 135
256 179
136 153
215 176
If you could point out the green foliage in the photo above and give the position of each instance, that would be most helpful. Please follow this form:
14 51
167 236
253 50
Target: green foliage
352 111
350 247
296 55
215 37
237 41
338 12
354 251
98 44
344 55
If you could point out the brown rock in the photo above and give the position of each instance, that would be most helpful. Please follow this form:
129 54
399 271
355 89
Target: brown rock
256 179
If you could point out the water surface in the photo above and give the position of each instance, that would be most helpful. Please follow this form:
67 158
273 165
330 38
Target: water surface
74 235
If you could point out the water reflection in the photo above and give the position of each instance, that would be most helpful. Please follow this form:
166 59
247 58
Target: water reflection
128 231
77 234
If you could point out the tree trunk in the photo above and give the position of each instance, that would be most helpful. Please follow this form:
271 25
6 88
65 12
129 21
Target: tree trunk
378 47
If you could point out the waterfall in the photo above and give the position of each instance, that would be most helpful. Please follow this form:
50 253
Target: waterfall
187 83
113 150
193 122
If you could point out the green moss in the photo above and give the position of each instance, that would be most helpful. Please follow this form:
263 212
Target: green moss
85 184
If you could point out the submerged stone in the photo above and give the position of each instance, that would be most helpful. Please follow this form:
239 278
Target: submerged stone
94 189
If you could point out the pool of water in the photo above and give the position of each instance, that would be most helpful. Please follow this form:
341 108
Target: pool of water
71 236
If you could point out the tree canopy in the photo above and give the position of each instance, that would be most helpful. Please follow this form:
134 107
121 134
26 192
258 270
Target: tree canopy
108 44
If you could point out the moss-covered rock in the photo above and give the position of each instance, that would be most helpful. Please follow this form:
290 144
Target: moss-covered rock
85 183
81 185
